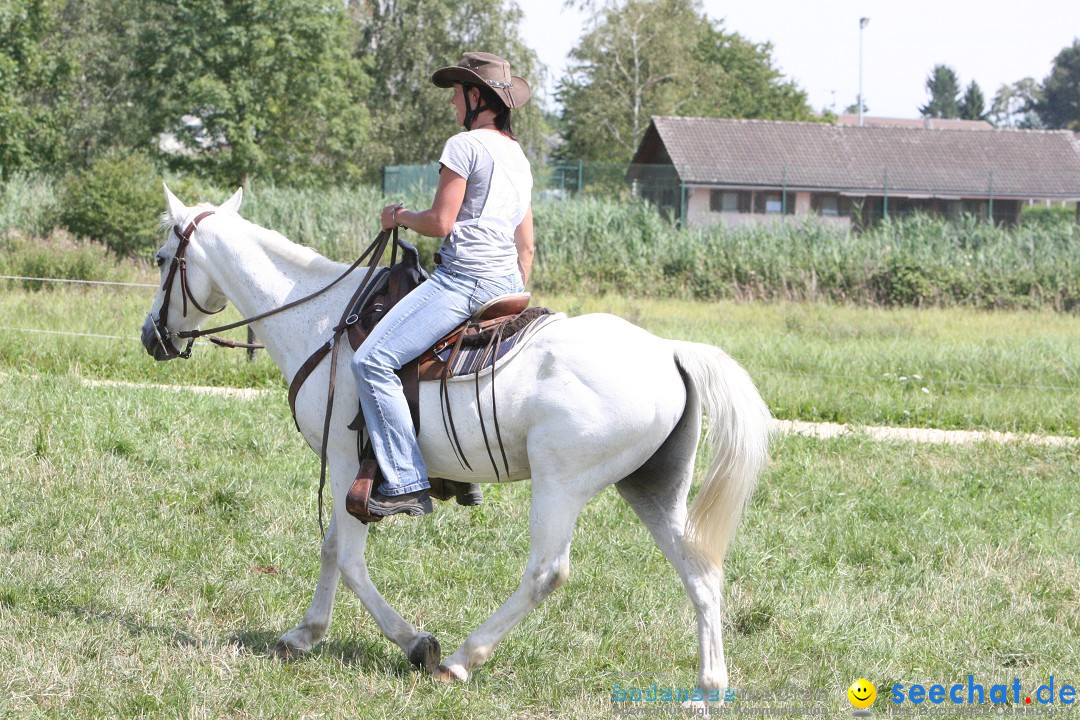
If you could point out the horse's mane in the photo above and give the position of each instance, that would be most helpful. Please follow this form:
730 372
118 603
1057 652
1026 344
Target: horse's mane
293 253
271 240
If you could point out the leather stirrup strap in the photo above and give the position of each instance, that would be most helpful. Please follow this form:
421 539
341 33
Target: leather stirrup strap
494 410
444 402
339 330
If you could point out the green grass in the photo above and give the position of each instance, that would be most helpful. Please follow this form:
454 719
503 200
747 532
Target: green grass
155 544
1007 371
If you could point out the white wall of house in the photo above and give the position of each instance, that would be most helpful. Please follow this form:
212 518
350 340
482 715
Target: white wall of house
802 203
697 207
699 214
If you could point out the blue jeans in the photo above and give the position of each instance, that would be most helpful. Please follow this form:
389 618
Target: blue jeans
422 318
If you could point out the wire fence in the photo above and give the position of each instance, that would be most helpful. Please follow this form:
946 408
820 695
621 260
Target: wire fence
813 376
69 333
79 282
707 194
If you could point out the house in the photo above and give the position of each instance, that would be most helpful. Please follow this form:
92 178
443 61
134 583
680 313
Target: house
708 170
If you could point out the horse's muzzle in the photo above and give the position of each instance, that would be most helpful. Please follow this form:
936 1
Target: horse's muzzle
156 343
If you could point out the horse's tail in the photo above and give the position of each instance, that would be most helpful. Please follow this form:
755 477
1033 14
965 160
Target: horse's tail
738 424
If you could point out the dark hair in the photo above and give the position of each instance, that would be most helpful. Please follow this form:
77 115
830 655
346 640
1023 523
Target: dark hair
490 100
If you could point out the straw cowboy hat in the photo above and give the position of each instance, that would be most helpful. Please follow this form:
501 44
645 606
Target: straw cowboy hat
482 68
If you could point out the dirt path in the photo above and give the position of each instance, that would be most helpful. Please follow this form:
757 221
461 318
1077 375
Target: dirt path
921 435
798 427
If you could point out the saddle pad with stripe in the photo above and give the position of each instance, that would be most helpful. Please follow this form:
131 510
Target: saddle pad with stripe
472 359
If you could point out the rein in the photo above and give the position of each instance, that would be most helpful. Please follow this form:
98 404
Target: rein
179 264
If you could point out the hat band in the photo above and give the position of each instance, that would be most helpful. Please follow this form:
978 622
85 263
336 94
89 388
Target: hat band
499 84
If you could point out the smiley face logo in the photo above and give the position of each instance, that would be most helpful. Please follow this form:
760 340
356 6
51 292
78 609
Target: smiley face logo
862 693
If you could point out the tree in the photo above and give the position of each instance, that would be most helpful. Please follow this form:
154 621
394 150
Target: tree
404 41
663 57
943 86
1059 104
109 112
36 79
263 89
973 104
1014 105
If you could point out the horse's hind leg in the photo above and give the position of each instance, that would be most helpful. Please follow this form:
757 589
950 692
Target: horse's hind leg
657 493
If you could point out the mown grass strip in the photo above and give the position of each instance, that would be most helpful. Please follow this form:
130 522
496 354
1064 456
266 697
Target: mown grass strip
156 544
955 369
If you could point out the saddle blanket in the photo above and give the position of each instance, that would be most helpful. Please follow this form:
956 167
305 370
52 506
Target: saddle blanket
476 354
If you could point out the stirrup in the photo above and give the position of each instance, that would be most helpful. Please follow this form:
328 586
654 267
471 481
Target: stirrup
356 502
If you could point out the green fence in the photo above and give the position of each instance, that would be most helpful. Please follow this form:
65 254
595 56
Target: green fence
707 194
560 182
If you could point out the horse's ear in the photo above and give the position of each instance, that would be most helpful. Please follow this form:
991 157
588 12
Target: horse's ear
177 209
233 203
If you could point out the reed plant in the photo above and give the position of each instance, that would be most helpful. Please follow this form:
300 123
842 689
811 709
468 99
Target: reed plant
28 203
626 247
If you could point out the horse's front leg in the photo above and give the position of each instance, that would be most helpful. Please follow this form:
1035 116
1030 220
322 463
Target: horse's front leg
421 648
551 524
343 557
312 628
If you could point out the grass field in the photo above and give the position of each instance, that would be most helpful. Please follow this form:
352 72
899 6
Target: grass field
156 543
948 368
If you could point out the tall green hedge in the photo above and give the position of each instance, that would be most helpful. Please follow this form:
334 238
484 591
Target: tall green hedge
116 201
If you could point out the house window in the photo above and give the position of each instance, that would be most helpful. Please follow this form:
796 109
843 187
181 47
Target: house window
773 205
725 201
829 206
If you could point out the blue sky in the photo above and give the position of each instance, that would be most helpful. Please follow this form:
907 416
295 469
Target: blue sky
817 43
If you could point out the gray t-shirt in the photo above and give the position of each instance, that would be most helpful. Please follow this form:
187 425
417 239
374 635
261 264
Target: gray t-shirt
498 192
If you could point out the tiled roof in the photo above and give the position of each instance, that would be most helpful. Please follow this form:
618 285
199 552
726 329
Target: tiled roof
925 122
861 160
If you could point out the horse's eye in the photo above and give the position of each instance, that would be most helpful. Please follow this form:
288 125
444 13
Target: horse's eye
160 260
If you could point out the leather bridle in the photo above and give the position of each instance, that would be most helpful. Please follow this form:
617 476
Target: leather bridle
179 264
374 251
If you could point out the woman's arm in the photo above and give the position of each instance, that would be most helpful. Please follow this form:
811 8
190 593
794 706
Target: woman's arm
523 238
438 220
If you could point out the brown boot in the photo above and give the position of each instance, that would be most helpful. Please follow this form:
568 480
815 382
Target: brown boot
413 504
369 505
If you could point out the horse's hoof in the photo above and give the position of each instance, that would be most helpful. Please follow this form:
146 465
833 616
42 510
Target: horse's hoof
285 651
426 653
446 675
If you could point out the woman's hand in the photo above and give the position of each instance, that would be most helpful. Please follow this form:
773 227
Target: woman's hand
389 216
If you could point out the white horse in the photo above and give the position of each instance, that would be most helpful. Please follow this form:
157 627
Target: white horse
590 402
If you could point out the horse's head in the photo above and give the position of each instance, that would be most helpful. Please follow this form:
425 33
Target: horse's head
186 288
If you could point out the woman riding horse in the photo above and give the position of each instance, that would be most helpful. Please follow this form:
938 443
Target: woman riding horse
482 210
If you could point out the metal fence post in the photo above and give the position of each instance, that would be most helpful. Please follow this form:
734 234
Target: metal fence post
783 193
682 200
580 178
885 191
